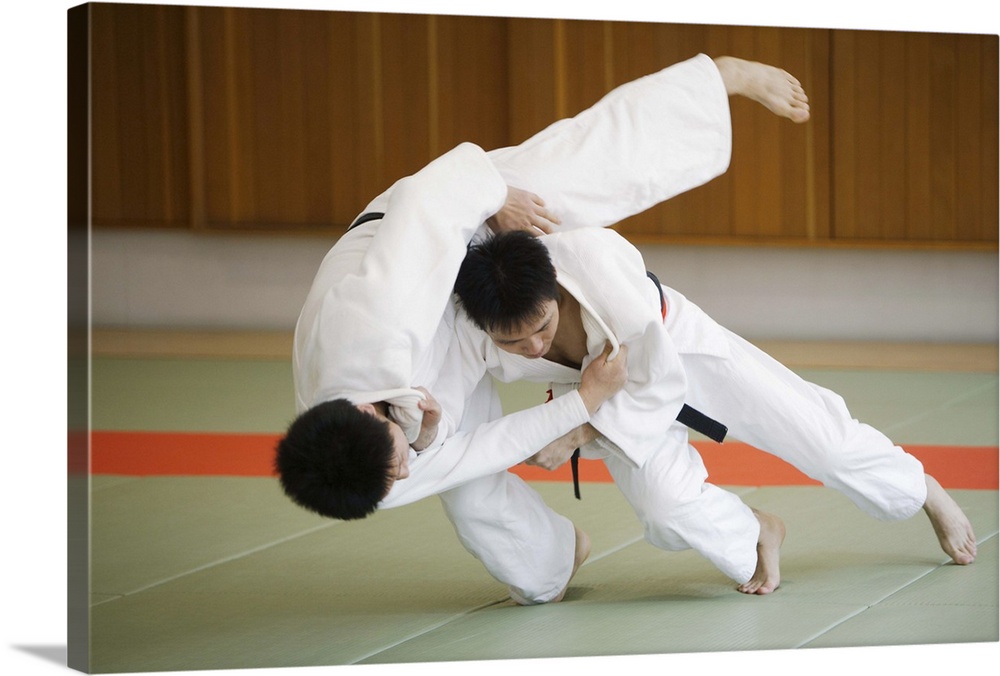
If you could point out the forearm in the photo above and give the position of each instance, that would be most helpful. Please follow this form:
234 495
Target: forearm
489 448
582 435
557 453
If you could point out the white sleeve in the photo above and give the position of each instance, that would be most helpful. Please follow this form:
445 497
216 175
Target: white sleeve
374 324
458 377
489 448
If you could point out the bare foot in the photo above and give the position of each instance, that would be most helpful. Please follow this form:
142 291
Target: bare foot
951 526
581 554
771 87
766 577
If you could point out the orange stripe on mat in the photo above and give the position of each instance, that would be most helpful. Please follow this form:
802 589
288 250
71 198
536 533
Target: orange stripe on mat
180 453
732 463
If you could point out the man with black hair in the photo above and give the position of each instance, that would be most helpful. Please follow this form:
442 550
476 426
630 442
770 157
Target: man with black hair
340 459
536 308
378 321
363 456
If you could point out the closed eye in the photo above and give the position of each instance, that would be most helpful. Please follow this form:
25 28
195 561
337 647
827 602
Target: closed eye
542 328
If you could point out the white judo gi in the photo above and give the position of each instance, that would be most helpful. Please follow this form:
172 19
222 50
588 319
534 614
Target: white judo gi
687 357
377 321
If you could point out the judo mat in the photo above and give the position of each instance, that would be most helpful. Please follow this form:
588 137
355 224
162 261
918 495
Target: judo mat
200 562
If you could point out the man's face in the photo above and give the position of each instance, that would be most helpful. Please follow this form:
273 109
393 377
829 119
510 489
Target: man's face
532 339
401 452
400 465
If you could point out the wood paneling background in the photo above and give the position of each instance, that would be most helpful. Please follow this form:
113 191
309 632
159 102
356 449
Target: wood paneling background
292 120
140 127
915 136
308 115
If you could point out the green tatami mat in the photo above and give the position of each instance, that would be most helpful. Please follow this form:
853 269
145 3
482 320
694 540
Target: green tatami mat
951 604
184 593
202 572
192 395
149 530
398 587
836 564
925 408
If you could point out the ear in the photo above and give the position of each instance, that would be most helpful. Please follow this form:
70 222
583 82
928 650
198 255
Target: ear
367 408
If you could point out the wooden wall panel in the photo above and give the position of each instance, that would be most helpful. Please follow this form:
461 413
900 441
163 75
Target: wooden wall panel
534 101
775 189
139 136
976 205
585 70
404 79
914 137
471 84
309 115
989 166
286 143
243 119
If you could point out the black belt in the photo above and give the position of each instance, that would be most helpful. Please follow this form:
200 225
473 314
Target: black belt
688 416
364 218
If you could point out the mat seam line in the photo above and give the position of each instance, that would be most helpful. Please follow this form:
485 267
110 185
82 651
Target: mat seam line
459 616
211 564
874 604
427 630
937 408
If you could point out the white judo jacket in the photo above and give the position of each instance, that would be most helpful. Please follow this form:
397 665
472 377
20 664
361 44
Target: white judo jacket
380 294
378 319
621 305
377 323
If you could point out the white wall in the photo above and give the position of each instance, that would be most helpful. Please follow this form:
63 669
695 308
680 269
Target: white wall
185 280
842 294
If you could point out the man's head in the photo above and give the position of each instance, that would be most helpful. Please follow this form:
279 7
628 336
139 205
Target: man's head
339 459
507 285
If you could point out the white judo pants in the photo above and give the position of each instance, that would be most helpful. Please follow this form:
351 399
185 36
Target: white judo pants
520 540
505 524
523 543
766 405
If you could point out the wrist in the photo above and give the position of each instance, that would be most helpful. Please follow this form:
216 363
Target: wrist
591 400
585 434
425 438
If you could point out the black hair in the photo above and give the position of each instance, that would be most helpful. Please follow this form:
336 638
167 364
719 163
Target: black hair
336 460
505 281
